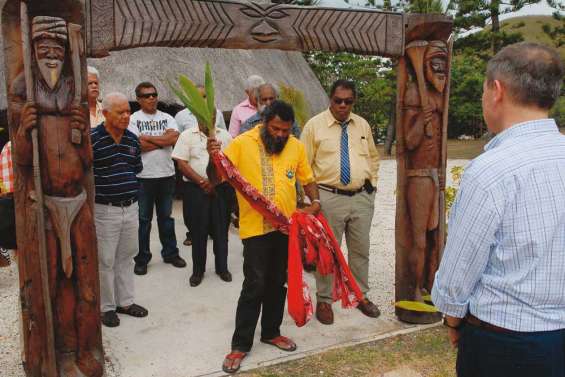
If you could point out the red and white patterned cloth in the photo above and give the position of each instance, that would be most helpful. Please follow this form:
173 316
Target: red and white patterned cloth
6 170
311 241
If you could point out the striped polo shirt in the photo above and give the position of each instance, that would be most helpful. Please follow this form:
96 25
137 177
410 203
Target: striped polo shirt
115 166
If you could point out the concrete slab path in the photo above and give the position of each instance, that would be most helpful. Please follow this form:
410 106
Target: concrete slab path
188 330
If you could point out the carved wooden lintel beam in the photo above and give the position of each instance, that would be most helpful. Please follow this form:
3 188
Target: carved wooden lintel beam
122 24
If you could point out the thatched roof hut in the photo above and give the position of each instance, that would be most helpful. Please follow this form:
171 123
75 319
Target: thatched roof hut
123 70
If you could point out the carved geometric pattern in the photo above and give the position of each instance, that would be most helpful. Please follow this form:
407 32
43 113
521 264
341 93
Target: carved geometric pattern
170 23
231 24
354 31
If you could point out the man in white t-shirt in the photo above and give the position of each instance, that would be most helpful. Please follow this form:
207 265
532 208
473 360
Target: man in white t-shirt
185 119
209 207
157 133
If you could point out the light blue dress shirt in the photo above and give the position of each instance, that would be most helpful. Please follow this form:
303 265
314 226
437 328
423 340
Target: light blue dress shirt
504 261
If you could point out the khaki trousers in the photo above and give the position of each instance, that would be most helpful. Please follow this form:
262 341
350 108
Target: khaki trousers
117 233
351 215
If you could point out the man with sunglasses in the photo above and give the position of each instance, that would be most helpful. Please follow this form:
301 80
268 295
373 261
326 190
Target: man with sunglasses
345 161
157 133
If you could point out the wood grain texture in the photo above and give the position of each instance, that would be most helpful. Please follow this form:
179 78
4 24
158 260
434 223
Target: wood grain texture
230 24
65 173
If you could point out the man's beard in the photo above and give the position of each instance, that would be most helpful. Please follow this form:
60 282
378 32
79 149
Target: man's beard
273 144
261 109
439 83
50 75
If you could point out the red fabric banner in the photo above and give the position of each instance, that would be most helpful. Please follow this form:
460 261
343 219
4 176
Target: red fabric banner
311 242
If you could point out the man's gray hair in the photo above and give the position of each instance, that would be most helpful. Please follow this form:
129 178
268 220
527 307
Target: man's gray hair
532 73
93 71
266 85
111 98
253 82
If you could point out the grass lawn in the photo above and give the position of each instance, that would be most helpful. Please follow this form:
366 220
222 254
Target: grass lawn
456 149
427 352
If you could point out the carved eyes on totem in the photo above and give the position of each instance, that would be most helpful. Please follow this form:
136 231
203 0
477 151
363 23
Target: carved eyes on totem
264 31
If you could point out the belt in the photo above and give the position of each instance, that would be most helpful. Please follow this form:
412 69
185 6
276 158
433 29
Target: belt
474 321
339 191
123 203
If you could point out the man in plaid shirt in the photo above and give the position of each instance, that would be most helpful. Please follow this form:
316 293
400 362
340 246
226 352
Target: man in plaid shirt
6 171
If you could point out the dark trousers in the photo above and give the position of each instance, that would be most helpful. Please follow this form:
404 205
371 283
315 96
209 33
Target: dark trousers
158 193
208 214
264 269
185 209
484 353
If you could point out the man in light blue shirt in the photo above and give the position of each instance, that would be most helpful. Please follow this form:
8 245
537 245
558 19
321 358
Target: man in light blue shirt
501 282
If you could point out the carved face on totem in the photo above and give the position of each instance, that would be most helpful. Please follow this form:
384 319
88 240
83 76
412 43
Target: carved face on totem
50 56
49 36
435 65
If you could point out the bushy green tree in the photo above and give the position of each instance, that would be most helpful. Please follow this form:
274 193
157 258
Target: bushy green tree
465 112
373 76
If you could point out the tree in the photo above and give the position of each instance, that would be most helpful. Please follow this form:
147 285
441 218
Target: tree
373 76
471 14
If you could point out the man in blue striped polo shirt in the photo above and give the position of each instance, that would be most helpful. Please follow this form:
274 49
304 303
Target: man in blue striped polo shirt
117 161
501 283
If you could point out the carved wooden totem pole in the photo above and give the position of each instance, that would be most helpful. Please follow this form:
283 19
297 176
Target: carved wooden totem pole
423 82
49 126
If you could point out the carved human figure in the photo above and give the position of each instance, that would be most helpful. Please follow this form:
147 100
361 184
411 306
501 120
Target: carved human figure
422 124
65 158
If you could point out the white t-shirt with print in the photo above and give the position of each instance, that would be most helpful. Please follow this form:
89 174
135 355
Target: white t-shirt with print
156 163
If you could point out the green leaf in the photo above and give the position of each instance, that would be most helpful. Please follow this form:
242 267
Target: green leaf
209 87
188 103
416 306
193 94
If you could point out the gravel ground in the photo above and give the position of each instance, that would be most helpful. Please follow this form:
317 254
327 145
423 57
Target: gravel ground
381 273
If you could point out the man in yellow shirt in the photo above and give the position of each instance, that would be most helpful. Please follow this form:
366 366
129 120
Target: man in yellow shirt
345 161
271 160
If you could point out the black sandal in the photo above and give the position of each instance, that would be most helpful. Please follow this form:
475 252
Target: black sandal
134 310
110 319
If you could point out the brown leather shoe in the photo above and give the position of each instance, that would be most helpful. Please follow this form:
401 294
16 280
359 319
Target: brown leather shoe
368 308
324 313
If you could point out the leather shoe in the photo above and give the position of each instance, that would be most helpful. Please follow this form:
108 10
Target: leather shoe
140 269
196 279
324 313
110 319
368 308
225 276
176 261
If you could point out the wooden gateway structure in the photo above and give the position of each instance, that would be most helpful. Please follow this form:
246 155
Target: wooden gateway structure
46 44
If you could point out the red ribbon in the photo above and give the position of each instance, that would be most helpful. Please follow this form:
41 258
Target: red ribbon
311 242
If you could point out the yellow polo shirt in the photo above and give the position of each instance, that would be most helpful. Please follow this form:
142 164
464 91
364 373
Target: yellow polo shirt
322 139
273 175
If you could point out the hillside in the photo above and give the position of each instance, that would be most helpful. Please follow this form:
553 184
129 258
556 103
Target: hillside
531 29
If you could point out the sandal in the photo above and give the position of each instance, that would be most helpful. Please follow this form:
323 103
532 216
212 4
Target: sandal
282 343
232 362
134 310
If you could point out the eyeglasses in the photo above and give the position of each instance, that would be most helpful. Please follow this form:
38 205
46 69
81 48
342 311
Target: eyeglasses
147 95
339 101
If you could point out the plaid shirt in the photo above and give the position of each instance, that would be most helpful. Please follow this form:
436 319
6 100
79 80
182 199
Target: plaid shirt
504 261
6 171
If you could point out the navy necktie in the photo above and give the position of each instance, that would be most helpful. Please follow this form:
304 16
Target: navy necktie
345 167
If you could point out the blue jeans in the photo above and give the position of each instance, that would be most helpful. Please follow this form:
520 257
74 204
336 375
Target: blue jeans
484 353
156 192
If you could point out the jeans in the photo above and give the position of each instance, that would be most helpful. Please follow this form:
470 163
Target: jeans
264 269
484 353
208 214
156 192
